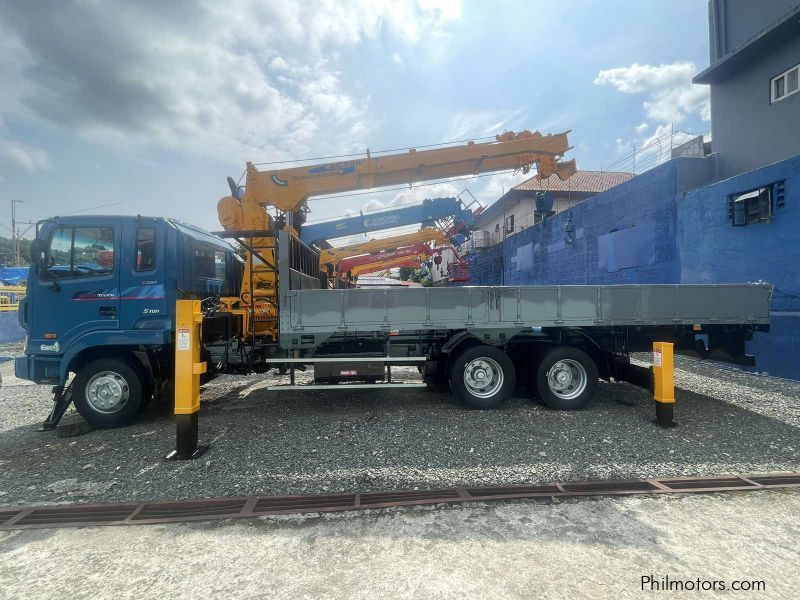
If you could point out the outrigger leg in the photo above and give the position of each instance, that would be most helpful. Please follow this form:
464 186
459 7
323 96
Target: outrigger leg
62 398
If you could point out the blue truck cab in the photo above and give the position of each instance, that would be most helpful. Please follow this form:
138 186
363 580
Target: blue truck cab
100 304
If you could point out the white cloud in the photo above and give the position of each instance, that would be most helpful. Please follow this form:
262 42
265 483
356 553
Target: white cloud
374 205
670 94
480 123
213 77
642 127
622 145
500 184
30 158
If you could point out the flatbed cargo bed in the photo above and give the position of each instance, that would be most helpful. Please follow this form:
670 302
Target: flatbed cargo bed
311 311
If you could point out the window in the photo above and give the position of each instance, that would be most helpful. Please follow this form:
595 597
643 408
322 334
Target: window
751 207
509 224
145 249
209 262
80 252
785 84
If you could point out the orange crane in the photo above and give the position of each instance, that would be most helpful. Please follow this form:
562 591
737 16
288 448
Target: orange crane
388 264
352 266
287 190
331 258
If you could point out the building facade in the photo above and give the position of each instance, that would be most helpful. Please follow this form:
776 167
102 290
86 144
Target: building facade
516 210
755 92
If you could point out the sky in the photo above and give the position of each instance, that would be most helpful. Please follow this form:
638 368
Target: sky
146 107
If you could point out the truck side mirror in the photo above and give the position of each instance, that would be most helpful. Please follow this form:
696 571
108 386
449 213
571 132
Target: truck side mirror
38 249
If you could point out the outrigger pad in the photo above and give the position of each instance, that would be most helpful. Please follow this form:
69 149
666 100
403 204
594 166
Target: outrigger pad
186 432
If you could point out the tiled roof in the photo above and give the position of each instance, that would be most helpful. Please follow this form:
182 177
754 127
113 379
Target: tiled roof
582 181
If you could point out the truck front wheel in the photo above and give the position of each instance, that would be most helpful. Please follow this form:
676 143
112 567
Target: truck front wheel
566 378
483 377
108 392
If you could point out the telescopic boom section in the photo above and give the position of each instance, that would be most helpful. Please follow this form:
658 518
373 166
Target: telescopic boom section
388 264
331 258
288 189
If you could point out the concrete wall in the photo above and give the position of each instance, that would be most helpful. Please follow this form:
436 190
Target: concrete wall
713 251
733 22
652 230
623 235
748 131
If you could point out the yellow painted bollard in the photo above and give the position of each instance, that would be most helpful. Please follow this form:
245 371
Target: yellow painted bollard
664 383
188 368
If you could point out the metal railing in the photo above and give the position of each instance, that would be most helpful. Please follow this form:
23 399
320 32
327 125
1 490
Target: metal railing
10 295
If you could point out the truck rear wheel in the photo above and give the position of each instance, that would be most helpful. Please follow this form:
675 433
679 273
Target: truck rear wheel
108 392
566 378
483 377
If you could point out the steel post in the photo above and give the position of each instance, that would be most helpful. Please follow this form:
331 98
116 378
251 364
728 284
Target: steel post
664 384
188 368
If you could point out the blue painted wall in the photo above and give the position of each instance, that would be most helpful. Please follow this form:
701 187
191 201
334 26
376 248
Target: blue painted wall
624 235
10 331
712 250
648 230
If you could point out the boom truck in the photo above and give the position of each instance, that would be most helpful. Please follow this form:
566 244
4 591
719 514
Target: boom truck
115 325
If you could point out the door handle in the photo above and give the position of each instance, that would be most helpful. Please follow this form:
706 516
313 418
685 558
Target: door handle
108 311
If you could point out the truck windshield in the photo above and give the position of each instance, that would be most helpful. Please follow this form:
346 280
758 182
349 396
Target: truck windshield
80 252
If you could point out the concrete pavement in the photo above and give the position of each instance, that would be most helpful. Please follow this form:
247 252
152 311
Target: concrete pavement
581 548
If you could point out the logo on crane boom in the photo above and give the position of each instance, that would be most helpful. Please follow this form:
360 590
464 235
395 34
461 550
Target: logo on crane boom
278 181
338 168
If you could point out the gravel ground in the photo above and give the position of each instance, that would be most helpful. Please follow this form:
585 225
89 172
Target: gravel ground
12 348
322 441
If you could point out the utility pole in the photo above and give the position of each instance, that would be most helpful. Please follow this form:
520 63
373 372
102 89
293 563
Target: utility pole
14 231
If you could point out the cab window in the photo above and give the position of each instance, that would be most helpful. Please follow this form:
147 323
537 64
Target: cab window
145 249
209 262
80 252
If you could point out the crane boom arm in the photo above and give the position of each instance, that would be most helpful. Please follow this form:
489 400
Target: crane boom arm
385 265
289 189
333 256
414 250
426 213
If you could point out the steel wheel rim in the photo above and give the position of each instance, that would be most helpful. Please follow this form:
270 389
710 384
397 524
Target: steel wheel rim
107 392
567 379
483 377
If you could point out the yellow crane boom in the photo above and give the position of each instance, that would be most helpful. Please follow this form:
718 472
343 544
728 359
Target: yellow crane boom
287 190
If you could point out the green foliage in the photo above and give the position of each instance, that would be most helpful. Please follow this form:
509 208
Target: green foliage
7 252
423 277
406 273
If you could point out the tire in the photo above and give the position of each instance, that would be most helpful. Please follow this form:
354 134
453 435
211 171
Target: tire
566 378
108 392
478 365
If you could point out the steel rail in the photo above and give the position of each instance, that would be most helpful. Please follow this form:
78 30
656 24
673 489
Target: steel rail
172 511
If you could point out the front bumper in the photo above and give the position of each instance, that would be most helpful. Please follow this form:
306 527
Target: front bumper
38 369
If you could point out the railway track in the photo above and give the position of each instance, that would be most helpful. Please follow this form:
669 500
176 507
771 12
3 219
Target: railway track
205 509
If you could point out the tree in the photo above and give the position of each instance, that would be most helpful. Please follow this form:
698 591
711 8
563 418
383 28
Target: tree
423 277
406 273
7 255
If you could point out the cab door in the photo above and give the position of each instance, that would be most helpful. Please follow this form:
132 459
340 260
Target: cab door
77 290
142 276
